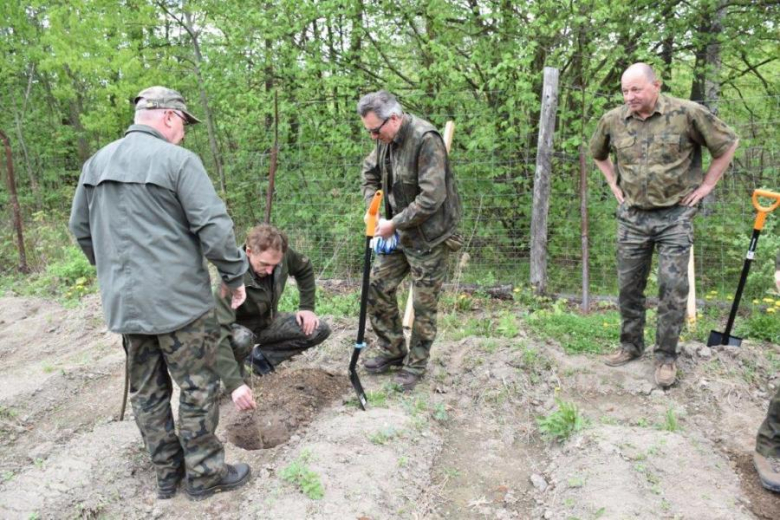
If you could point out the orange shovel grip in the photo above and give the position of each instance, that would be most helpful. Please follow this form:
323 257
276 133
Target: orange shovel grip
763 211
373 214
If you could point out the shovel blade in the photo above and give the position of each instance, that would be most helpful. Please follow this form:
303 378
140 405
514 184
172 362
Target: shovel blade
718 338
355 380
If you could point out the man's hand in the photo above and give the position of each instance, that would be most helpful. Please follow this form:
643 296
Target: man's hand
238 295
696 195
617 192
243 398
308 321
384 228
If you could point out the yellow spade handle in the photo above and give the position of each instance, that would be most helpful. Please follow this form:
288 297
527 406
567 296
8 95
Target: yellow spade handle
763 211
373 214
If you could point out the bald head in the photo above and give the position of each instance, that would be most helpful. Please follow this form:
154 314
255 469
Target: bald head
640 89
641 69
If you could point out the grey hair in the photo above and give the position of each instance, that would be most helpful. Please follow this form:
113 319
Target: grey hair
381 103
147 116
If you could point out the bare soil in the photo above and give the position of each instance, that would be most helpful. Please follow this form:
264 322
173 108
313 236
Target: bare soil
465 444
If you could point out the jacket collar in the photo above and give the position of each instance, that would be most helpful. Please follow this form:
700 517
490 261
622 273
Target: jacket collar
661 105
406 125
145 129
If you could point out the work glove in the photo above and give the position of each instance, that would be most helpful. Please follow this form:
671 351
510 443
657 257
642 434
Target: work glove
383 246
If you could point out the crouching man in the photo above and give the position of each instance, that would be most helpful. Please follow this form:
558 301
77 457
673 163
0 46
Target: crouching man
276 336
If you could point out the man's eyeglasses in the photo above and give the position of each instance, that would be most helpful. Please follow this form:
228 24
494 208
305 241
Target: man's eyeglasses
375 131
184 119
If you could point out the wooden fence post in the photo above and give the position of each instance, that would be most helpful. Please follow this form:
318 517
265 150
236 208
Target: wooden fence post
584 238
541 202
17 212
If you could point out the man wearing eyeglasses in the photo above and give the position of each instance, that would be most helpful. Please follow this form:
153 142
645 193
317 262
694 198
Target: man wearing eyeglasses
422 205
145 214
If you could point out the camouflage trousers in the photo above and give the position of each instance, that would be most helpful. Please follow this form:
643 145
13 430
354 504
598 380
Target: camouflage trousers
189 355
768 438
279 341
427 270
639 232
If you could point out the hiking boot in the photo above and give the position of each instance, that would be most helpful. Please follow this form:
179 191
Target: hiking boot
260 364
666 374
167 488
768 469
621 357
236 476
381 364
406 380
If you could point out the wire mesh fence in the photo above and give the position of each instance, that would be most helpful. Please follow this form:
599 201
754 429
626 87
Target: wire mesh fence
318 201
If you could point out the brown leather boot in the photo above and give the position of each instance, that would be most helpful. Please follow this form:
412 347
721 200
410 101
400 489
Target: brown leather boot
407 380
381 364
768 469
666 374
621 357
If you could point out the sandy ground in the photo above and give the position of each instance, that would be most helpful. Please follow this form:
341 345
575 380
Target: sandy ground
464 444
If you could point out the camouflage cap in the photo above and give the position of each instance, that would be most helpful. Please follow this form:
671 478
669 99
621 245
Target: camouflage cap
161 97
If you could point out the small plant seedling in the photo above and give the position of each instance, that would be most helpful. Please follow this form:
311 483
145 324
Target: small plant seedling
307 480
563 422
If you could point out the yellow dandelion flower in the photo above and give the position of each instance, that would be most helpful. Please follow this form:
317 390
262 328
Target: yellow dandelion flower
777 303
768 300
756 301
771 310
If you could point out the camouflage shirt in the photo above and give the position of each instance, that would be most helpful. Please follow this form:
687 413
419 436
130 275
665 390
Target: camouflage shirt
414 172
659 158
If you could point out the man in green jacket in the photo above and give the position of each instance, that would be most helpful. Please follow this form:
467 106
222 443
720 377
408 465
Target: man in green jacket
145 214
279 336
422 205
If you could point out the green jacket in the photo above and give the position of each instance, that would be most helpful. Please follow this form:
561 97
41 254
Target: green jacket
260 308
414 173
145 214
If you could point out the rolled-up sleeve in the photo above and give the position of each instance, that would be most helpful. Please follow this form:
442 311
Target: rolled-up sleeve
600 141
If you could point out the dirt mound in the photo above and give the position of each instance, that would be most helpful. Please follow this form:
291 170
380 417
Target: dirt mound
286 401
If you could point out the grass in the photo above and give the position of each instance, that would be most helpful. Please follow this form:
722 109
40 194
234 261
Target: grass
562 423
592 333
307 480
671 423
383 436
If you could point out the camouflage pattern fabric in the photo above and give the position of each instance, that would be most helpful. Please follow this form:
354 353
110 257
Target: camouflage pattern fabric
189 354
768 439
639 232
659 159
421 194
278 342
427 270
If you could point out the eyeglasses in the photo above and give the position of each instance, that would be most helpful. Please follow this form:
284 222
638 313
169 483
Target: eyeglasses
375 131
184 119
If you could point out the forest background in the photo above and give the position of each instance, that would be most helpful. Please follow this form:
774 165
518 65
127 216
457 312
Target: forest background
68 71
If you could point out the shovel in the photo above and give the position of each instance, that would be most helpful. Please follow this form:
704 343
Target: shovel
725 337
371 220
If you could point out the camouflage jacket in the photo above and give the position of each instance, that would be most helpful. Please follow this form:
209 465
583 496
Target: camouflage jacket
260 307
145 214
659 159
414 171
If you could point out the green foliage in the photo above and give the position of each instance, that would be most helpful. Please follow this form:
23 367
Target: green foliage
671 423
307 480
592 333
383 436
562 423
761 325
